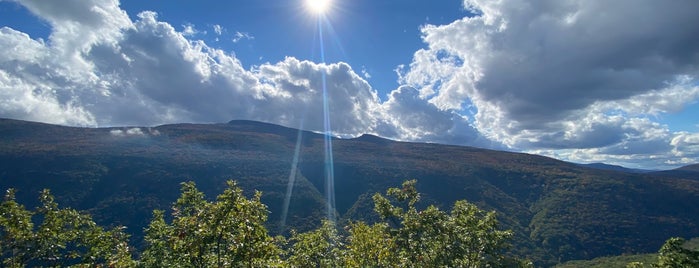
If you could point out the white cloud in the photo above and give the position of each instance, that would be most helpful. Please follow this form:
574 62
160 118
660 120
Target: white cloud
685 145
411 117
189 30
239 36
128 132
34 102
579 80
134 132
218 29
365 73
149 73
564 75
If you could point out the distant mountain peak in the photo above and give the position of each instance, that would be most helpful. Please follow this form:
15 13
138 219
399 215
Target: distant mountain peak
250 122
259 126
372 139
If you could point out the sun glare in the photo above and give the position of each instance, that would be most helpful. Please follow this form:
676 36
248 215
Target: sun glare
318 6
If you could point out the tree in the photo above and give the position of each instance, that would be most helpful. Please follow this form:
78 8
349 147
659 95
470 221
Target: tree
317 248
229 232
63 237
370 246
466 237
673 254
159 240
16 232
635 264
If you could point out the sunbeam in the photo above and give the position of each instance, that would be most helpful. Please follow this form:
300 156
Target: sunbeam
329 166
292 178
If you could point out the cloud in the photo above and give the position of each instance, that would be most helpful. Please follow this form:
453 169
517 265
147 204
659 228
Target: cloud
578 80
134 132
295 90
78 25
411 117
218 29
561 75
148 73
239 36
189 30
541 61
128 132
38 103
365 73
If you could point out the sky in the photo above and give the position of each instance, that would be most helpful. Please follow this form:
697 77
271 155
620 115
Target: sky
579 80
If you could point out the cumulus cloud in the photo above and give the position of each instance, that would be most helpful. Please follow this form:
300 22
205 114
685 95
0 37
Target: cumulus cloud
578 80
564 75
145 72
411 117
540 61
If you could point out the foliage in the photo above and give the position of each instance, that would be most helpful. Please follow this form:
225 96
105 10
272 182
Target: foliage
62 237
370 246
467 237
408 237
674 254
318 248
225 233
230 232
636 261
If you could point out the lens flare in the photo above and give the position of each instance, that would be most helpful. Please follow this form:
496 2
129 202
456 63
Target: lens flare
329 165
292 178
318 7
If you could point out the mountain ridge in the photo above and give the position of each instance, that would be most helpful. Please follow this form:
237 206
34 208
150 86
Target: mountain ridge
604 166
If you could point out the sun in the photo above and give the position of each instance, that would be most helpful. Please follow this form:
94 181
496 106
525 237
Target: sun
318 6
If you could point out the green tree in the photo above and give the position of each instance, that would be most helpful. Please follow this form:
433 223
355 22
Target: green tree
63 237
317 248
466 237
673 254
370 246
635 264
159 236
229 232
16 232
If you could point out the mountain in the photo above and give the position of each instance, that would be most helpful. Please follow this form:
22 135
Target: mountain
690 168
558 210
604 166
690 172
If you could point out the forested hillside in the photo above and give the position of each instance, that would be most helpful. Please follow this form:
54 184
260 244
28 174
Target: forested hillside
556 210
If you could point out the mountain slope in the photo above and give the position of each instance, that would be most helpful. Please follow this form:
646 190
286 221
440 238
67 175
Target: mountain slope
690 172
692 168
604 166
558 210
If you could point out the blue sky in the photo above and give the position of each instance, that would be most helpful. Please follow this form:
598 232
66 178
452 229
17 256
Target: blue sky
579 80
374 36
